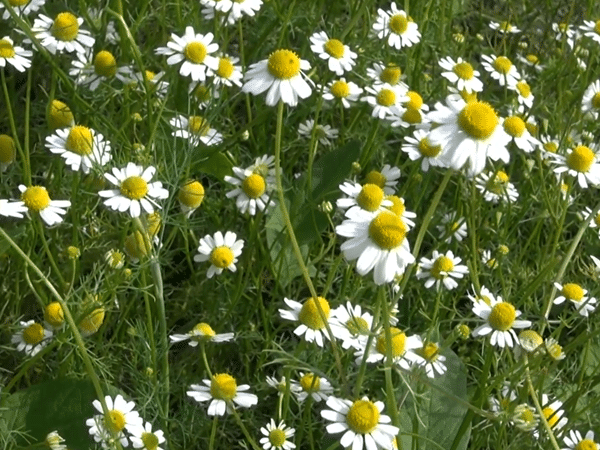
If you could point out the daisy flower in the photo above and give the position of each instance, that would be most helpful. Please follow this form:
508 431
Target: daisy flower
378 242
202 332
516 128
397 27
37 200
312 323
581 163
155 81
383 97
135 192
398 207
525 417
31 338
12 209
276 436
361 421
430 359
190 196
222 390
253 185
81 147
530 340
54 316
403 349
564 32
196 130
531 60
386 74
228 72
411 112
280 385
548 146
590 103
21 7
591 29
63 34
90 72
452 227
121 415
233 10
553 411
501 68
500 319
339 57
554 349
488 260
59 115
502 402
281 74
54 441
193 51
576 295
318 388
8 151
143 437
14 55
441 269
323 132
461 74
418 146
351 325
368 197
342 91
221 251
576 442
386 179
523 90
494 186
504 27
203 95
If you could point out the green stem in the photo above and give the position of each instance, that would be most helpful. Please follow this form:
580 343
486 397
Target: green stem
213 432
205 360
243 61
40 230
536 402
239 421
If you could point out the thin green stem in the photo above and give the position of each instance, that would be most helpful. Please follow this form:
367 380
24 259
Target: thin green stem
40 230
205 360
240 423
536 402
213 432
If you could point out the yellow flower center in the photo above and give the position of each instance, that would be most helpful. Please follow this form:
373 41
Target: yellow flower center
596 100
463 70
533 59
376 178
223 386
18 2
428 150
550 415
527 415
150 441
502 316
134 187
551 147
386 97
59 115
54 315
441 267
357 325
429 351
399 23
586 444
204 329
573 292
387 230
33 334
478 120
398 342
191 194
79 140
202 93
505 26
6 49
412 116
524 89
498 183
115 421
36 198
309 314
225 68
90 324
398 206
581 159
254 185
334 48
530 340
7 149
362 417
502 64
65 27
597 27
340 89
277 437
310 382
416 101
370 197
390 75
195 52
198 125
222 257
105 64
515 126
284 64
149 75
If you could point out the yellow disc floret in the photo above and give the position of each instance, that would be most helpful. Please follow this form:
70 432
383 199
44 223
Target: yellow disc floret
6 49
33 334
7 149
36 198
463 70
596 100
581 159
340 89
376 178
398 342
277 437
428 150
195 52
478 120
222 257
387 230
502 64
514 126
362 417
204 330
502 316
551 416
226 68
310 382
416 101
191 194
105 64
430 351
198 125
65 27
150 441
54 315
398 23
310 316
398 207
79 140
92 322
334 47
386 97
223 386
441 266
254 185
390 75
412 116
17 3
283 64
573 291
524 89
59 115
134 187
115 421
370 197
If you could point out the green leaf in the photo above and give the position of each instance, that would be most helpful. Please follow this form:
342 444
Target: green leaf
216 164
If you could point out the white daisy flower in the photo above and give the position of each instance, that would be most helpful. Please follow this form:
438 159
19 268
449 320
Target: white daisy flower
378 242
143 437
276 436
195 129
501 68
342 91
504 27
386 179
383 97
324 133
134 191
488 260
232 10
554 349
495 187
12 209
81 147
190 196
591 29
431 359
590 103
452 227
441 269
156 83
63 34
419 146
228 72
576 295
531 60
37 200
403 349
397 27
461 74
565 32
55 441
318 388
121 415
339 57
351 325
223 392
221 251
202 332
503 401
193 51
281 384
362 422
368 197
253 185
312 323
523 90
386 74
90 72
581 163
203 95
553 411
398 207
576 442
516 128
469 133
31 338
410 113
21 7
281 74
500 319
14 55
